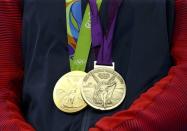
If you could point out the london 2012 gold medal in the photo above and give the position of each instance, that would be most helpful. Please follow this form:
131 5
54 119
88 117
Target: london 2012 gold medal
103 89
67 95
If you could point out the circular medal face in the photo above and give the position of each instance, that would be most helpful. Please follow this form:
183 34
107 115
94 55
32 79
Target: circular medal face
103 89
66 95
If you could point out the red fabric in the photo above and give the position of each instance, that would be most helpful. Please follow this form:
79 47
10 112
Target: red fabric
164 106
11 71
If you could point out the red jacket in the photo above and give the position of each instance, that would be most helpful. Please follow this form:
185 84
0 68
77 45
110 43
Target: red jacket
162 107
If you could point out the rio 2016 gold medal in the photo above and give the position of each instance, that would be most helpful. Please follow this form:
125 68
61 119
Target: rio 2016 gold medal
66 95
103 88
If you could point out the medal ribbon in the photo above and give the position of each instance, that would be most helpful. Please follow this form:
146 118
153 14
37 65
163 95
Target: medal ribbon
102 43
74 20
81 43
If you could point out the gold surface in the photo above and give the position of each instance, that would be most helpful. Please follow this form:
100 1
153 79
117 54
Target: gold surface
103 89
66 95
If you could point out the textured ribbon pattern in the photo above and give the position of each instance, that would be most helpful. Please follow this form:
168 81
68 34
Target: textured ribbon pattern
74 20
79 34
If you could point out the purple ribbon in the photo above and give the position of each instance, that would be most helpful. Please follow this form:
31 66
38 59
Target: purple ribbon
102 43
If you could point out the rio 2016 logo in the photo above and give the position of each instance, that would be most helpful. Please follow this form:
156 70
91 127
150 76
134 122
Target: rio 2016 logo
88 23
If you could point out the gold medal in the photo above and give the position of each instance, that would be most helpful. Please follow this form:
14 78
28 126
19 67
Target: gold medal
103 88
66 95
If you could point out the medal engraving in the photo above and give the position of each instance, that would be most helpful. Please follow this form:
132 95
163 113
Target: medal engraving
67 95
103 89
